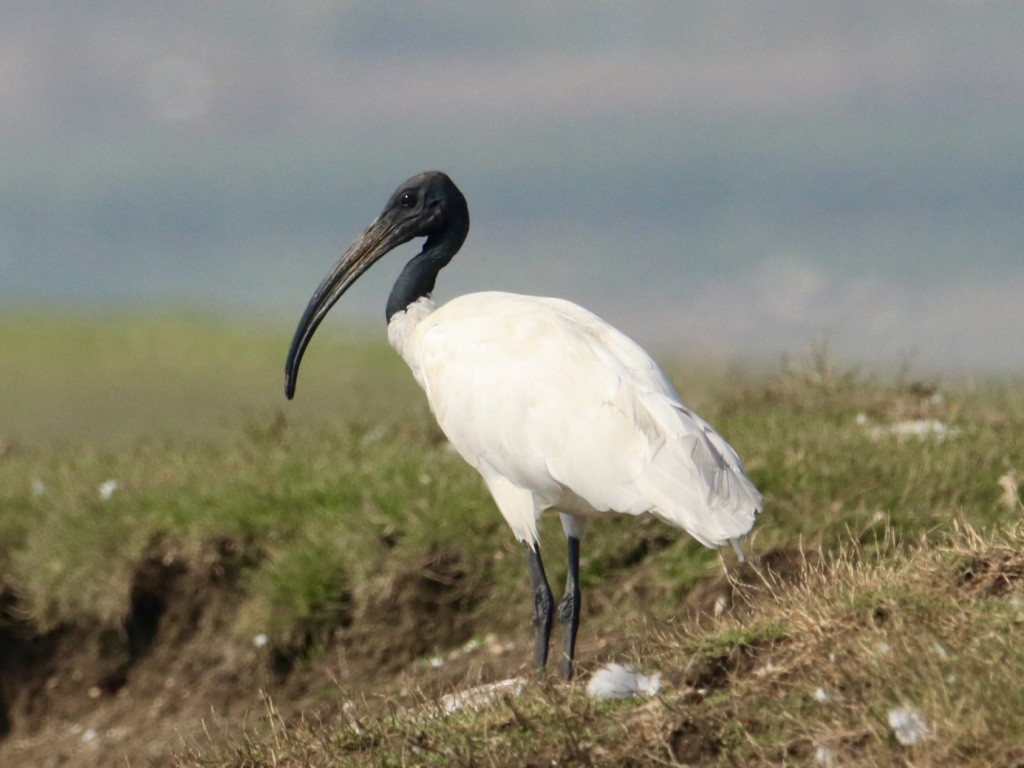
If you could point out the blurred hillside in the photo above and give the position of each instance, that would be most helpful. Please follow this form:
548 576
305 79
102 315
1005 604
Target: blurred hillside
705 179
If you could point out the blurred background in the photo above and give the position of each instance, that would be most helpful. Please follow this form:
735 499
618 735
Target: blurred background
712 178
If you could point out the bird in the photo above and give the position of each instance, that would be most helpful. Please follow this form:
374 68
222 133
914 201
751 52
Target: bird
555 408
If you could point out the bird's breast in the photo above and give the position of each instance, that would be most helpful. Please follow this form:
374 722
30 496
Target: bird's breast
517 387
403 333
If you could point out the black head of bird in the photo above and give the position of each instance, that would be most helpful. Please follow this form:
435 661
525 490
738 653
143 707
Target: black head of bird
427 205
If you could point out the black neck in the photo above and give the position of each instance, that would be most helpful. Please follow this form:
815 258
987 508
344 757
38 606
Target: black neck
418 276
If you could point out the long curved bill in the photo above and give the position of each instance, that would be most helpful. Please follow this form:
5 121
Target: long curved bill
379 238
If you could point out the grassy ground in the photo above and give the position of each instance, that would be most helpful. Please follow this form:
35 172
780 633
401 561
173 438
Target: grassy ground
808 674
343 529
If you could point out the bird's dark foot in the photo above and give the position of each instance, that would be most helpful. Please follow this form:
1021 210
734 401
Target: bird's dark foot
543 613
569 611
569 618
543 606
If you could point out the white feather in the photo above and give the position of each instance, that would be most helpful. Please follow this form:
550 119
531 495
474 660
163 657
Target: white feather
481 696
616 681
557 409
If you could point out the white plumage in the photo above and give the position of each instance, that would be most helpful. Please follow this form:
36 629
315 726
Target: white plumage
554 407
559 410
615 681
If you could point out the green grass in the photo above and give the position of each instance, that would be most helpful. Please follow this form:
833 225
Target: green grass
332 503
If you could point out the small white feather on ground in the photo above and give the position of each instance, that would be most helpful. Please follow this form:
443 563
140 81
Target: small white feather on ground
907 725
825 756
481 695
616 681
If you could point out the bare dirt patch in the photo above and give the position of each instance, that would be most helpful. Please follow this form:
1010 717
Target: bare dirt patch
92 695
96 696
992 575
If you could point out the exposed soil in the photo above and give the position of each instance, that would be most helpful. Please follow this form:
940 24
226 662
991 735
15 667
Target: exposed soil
174 669
993 575
96 696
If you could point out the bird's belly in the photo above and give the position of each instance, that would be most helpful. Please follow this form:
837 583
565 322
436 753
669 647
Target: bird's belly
517 463
526 465
548 493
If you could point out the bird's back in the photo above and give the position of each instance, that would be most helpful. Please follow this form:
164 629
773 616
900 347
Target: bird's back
560 403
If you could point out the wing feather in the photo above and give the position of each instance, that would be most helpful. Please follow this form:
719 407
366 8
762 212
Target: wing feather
560 403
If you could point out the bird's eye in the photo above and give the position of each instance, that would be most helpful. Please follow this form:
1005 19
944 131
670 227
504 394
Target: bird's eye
407 199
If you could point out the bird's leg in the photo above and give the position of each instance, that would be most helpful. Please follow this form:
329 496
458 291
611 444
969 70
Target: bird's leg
569 610
543 604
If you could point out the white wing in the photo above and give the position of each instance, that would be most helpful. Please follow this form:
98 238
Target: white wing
542 395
